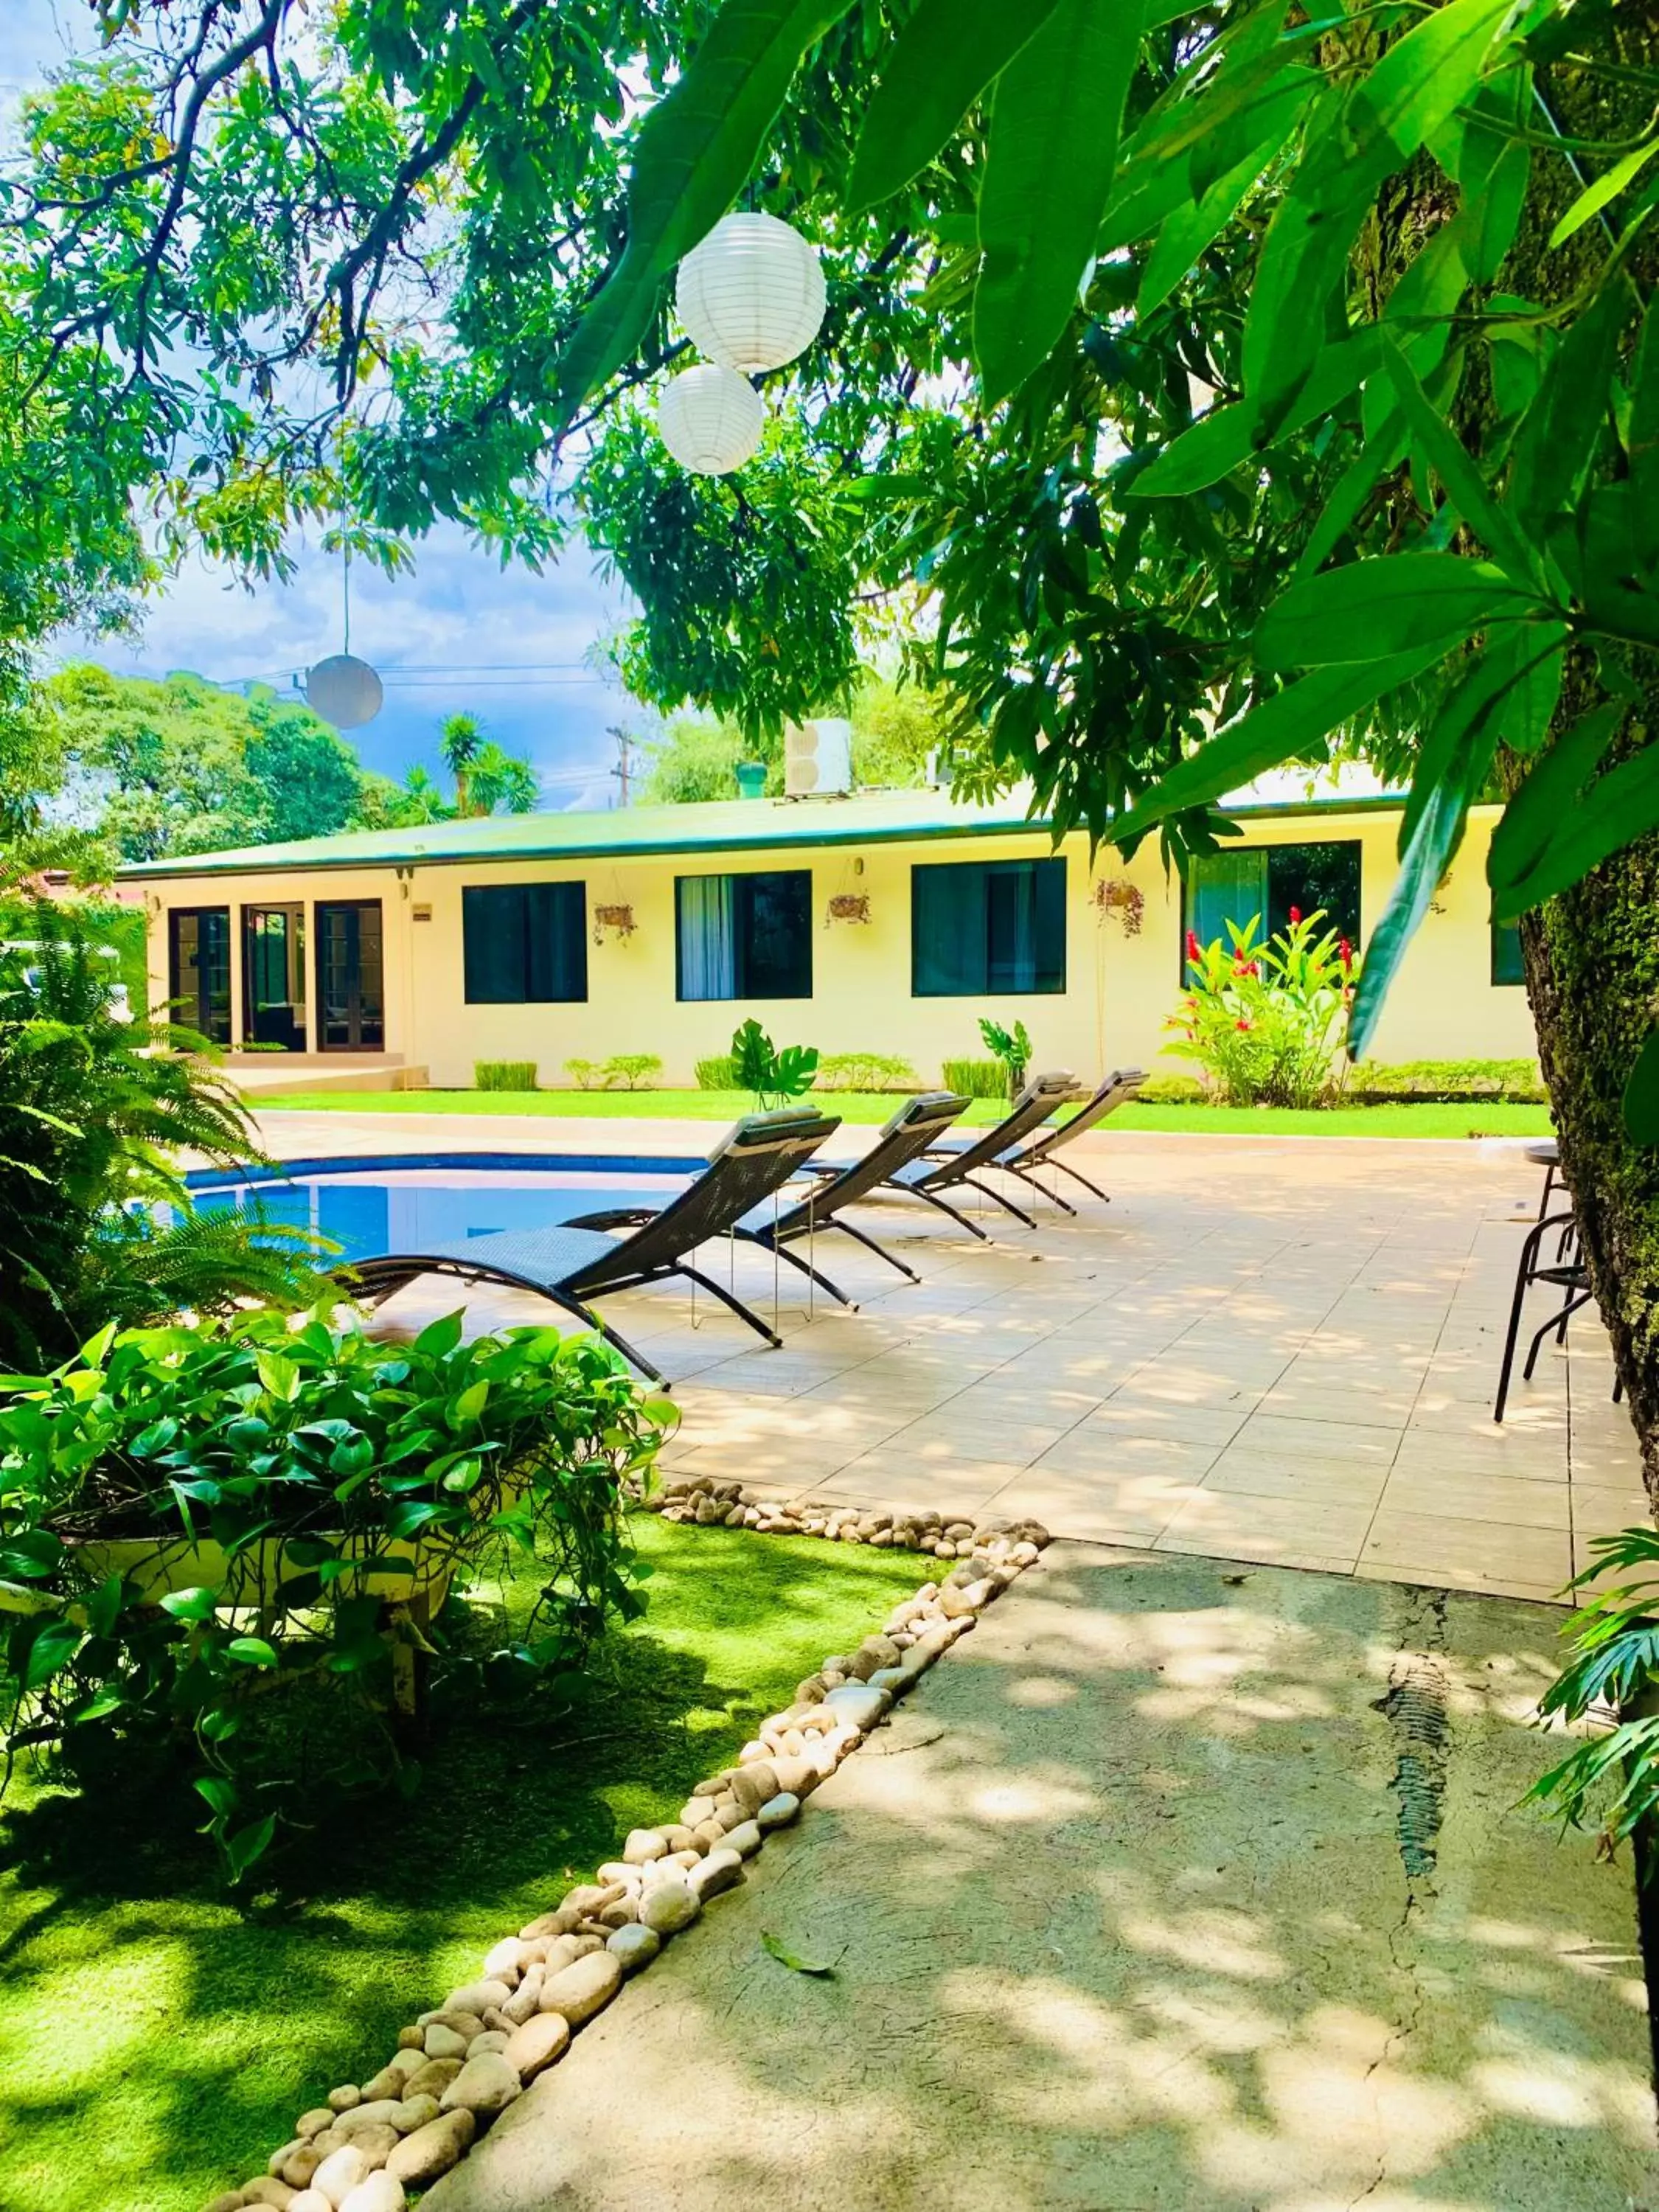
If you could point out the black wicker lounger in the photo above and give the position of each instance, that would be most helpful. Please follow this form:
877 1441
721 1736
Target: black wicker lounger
1119 1088
928 1177
571 1265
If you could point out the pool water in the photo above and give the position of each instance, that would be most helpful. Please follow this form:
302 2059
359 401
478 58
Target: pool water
371 1207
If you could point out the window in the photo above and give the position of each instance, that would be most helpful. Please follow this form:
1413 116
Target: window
274 977
1506 963
744 937
1267 881
979 927
199 969
524 944
350 976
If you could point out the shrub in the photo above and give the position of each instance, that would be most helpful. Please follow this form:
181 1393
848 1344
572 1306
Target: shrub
865 1071
95 1222
976 1078
1171 1090
504 1074
1518 1080
309 1476
1265 1021
586 1074
1012 1049
633 1070
720 1073
1612 1778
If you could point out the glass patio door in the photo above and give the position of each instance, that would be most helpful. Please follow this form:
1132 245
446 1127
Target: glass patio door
199 969
350 980
274 977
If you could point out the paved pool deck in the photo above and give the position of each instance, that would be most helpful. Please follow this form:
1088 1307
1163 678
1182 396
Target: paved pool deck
1174 1887
1275 1350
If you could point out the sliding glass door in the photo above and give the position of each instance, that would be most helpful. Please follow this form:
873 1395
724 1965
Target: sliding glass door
199 969
274 977
350 979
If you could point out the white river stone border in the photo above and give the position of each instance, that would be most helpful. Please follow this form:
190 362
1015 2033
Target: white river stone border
370 2146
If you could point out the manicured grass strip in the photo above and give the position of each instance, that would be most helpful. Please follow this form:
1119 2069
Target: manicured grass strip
1427 1118
156 2042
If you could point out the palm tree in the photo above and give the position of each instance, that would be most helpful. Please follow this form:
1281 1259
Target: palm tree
460 743
423 800
502 782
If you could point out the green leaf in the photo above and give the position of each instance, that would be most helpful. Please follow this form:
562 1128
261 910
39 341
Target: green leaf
1560 431
1642 440
1450 780
31 1553
775 1948
251 1651
439 1338
195 1605
1550 792
1424 78
694 152
50 1651
937 67
1642 1093
1396 604
249 1844
1050 157
1219 441
1466 487
279 1375
468 1405
1381 451
1618 808
1188 230
219 1795
1595 196
1282 726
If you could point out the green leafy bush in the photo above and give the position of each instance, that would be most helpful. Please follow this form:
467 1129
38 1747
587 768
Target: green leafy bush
718 1073
1172 1090
865 1071
95 1222
585 1074
774 1077
506 1075
633 1070
1265 1021
1515 1081
191 1516
976 1078
1610 1779
1012 1048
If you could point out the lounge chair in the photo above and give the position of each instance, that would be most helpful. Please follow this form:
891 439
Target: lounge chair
1119 1088
570 1266
927 1178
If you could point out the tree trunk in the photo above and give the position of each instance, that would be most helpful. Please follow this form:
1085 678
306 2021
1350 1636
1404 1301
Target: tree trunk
1592 954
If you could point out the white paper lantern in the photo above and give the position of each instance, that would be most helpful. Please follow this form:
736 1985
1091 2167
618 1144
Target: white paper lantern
711 420
344 690
752 295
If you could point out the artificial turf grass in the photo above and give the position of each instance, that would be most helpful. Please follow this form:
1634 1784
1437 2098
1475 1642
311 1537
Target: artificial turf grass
157 2042
1471 1117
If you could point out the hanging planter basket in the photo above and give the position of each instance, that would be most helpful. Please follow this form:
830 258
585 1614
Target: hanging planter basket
849 905
617 920
1117 894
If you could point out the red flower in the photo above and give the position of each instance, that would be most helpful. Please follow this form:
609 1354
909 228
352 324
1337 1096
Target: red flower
1194 950
1241 1026
1345 952
1296 915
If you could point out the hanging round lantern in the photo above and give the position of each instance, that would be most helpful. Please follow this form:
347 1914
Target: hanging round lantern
344 690
752 295
711 420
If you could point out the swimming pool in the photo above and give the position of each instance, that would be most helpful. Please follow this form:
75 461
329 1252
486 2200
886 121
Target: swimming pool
410 1202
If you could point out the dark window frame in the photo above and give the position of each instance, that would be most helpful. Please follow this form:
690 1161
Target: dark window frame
754 976
931 884
364 1011
1274 909
217 1029
549 922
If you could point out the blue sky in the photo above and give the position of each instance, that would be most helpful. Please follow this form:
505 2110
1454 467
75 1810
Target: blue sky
457 632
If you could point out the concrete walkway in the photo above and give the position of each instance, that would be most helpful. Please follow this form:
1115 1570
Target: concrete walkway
1175 1887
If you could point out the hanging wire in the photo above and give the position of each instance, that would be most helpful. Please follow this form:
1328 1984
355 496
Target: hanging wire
345 594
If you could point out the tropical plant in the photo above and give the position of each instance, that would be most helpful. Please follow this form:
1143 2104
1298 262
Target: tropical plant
865 1071
1612 1777
1265 1020
633 1070
774 1077
1012 1048
460 741
718 1072
95 1222
501 783
976 1078
585 1074
505 1074
190 1515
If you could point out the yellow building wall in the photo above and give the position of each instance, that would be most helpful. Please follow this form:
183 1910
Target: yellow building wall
1120 988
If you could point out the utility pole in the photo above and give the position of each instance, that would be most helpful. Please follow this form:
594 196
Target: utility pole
624 768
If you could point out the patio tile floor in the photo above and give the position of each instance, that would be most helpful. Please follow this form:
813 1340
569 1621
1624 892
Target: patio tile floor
1265 1350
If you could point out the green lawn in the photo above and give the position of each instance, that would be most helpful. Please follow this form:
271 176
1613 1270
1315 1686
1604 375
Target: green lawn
1471 1118
157 2043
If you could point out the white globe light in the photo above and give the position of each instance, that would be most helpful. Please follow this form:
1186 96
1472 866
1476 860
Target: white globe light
711 420
752 295
344 690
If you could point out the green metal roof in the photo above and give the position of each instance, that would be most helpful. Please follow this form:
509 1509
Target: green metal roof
723 826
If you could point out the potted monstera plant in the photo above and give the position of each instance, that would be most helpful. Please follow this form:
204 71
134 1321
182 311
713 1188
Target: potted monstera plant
190 1515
